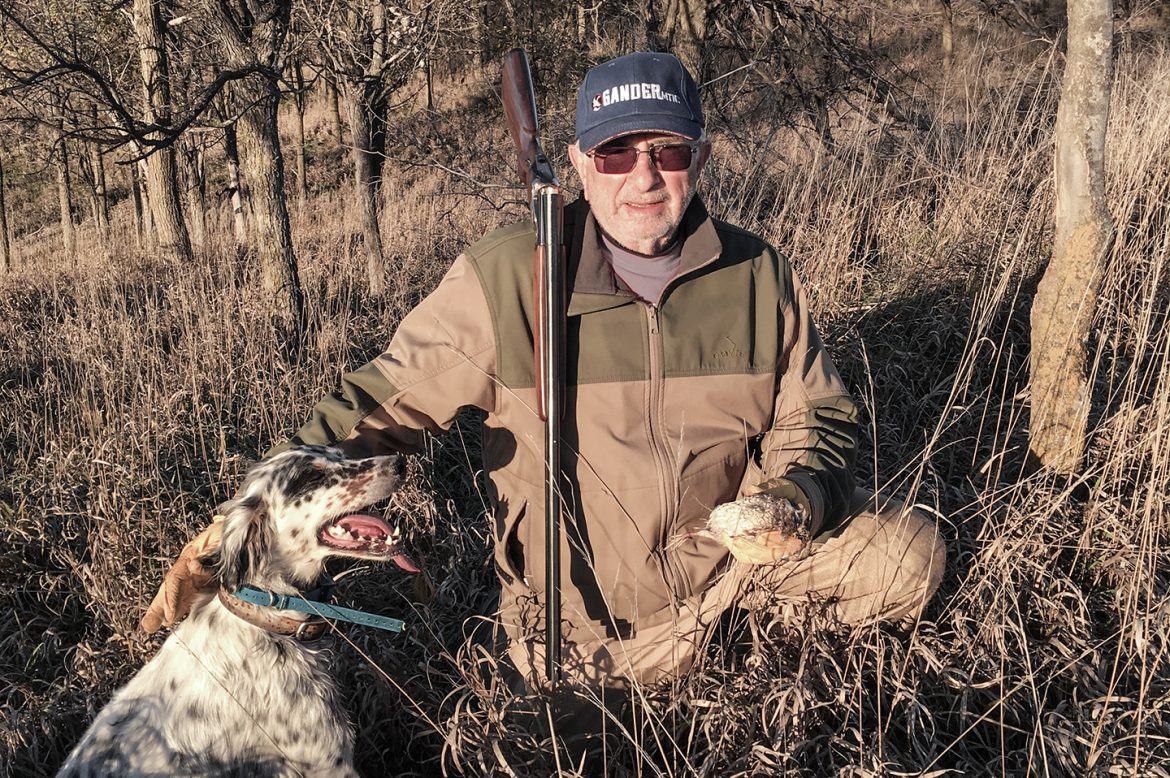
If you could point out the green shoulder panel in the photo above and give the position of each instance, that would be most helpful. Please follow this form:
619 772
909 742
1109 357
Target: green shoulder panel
502 260
729 323
362 392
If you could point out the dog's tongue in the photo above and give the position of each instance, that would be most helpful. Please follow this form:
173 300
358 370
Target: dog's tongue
366 525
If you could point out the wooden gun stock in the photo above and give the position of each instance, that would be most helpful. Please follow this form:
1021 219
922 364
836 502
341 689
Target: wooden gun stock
524 127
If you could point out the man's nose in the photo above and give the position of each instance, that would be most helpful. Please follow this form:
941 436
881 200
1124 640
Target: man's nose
645 174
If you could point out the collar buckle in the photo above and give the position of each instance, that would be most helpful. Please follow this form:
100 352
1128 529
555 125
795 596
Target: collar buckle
311 629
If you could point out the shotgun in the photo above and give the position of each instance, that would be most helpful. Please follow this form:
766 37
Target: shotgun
548 287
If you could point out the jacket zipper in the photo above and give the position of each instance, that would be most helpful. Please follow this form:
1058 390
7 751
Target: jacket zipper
658 445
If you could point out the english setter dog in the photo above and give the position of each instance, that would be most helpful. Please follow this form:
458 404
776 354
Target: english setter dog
234 690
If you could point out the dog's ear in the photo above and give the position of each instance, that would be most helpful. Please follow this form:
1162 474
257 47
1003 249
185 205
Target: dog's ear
245 539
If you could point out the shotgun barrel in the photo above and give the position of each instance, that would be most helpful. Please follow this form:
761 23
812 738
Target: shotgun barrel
547 202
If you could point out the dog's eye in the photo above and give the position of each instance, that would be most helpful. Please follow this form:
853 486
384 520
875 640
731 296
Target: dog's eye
307 480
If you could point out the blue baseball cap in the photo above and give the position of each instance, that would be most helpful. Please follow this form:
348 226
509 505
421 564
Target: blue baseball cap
640 92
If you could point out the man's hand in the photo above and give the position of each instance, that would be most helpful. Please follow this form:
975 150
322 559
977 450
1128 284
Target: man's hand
760 529
186 578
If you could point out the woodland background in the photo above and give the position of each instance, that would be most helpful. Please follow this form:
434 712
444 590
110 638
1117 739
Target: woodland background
209 209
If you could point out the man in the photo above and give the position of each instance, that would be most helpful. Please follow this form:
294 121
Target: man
695 377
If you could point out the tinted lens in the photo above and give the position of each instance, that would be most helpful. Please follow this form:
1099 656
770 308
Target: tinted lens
616 161
673 157
622 160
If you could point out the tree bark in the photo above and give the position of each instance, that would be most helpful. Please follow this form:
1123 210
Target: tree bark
366 113
148 234
1066 299
162 180
195 189
235 185
366 102
299 97
65 196
6 262
334 104
253 35
139 209
263 167
948 35
684 31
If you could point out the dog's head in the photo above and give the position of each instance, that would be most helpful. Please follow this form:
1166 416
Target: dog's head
301 507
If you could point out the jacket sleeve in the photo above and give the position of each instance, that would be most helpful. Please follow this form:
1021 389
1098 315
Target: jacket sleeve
808 454
441 358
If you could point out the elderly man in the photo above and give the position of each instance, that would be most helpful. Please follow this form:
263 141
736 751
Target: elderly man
695 377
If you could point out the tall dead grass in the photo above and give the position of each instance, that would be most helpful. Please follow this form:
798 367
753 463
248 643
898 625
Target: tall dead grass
134 394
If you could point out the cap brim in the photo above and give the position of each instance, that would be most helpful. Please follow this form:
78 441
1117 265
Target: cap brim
629 125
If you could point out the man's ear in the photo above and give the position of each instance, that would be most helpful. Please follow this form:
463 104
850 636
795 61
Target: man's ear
245 539
704 155
580 160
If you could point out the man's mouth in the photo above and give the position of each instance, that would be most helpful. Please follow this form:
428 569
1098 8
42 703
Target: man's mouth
366 534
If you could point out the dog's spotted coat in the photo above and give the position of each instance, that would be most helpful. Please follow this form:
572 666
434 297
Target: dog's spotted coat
224 697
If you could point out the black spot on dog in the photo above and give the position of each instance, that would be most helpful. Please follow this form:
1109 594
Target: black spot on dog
307 480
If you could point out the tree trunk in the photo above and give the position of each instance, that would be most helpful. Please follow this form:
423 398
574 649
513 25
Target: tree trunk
139 209
196 193
263 168
65 197
148 233
299 97
162 180
366 112
97 164
430 85
684 31
1062 312
6 262
948 35
334 101
235 185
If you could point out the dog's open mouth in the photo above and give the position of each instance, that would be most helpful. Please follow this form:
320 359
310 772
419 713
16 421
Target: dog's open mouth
367 534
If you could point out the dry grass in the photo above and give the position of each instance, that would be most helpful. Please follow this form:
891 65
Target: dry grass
134 394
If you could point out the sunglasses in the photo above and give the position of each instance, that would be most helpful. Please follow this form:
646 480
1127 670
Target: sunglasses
667 157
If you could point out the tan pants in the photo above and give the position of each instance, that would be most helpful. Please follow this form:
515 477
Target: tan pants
884 562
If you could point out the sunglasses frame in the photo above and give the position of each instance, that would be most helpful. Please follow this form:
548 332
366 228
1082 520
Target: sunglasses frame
599 157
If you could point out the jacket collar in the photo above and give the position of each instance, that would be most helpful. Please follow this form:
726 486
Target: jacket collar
594 286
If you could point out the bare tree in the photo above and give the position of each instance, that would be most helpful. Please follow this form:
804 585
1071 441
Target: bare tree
252 35
235 186
162 180
6 262
684 32
300 98
1066 300
948 35
194 189
374 48
64 182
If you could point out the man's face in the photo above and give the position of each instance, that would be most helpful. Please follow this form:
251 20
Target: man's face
643 208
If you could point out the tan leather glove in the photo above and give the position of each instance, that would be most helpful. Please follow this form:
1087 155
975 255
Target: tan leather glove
186 578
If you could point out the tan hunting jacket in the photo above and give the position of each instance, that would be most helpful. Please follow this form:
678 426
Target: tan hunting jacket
670 409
